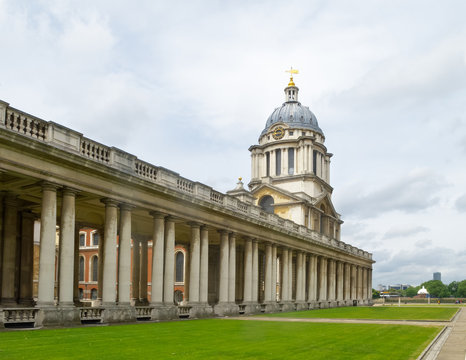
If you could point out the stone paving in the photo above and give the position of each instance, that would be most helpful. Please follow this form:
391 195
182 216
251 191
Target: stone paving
449 345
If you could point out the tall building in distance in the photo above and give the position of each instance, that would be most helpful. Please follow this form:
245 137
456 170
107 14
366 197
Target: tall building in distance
437 276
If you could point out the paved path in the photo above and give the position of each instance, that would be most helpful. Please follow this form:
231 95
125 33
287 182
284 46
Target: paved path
342 321
455 346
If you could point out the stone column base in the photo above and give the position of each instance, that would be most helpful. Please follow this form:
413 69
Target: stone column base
200 310
118 314
272 307
301 305
286 306
164 312
57 316
226 309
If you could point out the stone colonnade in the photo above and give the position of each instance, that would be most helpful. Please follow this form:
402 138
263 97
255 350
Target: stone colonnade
253 274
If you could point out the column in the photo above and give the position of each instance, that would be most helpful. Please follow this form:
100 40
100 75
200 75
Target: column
299 277
347 282
247 297
27 258
143 274
194 263
255 271
124 264
322 286
136 278
224 266
312 278
232 269
364 283
110 255
268 273
340 281
76 299
48 223
274 273
169 275
359 281
369 284
331 279
66 262
9 250
285 278
353 282
272 163
290 275
158 238
204 271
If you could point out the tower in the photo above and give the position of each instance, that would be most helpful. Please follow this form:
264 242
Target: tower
290 167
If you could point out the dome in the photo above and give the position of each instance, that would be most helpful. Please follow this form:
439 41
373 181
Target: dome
422 291
295 115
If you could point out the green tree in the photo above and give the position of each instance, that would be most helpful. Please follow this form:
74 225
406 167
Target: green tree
461 291
453 288
436 288
412 291
375 294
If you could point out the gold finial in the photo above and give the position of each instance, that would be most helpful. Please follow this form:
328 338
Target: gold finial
292 71
240 178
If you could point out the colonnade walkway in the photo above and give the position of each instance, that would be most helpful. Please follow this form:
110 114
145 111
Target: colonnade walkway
450 344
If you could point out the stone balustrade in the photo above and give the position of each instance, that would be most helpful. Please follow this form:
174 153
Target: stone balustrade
19 315
143 312
91 314
184 311
72 141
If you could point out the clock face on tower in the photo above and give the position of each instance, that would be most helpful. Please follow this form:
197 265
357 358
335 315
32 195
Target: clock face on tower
278 133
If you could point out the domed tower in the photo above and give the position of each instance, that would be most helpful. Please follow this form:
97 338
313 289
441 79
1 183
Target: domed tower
291 167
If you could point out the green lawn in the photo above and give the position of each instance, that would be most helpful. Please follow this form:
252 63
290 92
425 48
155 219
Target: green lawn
220 339
375 312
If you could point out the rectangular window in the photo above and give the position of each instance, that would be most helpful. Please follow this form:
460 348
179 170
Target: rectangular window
314 162
95 239
290 161
278 162
267 163
82 239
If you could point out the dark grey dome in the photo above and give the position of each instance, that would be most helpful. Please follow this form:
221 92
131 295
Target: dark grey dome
295 115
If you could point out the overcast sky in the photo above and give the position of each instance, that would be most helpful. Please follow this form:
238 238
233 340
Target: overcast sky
189 85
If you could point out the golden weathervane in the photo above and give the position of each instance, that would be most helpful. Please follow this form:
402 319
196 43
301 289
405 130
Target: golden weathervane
292 71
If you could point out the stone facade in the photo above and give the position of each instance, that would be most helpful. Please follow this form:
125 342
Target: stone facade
237 258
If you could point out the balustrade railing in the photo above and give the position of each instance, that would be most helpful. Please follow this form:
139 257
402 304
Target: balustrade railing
91 314
183 311
216 197
185 185
19 315
95 151
143 312
26 125
145 170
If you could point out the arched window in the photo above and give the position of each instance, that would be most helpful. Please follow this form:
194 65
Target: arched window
95 268
93 294
266 204
82 239
81 268
179 260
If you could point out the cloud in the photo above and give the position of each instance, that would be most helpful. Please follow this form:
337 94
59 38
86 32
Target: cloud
404 231
413 193
460 203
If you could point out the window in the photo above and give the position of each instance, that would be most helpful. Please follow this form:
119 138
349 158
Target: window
95 238
291 133
314 162
82 239
178 298
179 260
278 162
81 268
94 294
95 268
81 293
290 161
266 204
267 163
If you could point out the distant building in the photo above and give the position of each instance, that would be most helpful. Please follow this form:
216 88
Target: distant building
437 276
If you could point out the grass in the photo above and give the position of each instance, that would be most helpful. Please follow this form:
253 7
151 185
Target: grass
375 312
221 339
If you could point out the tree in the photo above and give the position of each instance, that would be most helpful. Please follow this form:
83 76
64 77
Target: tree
453 288
375 294
436 288
461 291
412 291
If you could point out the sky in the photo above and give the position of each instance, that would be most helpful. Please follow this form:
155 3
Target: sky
189 85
